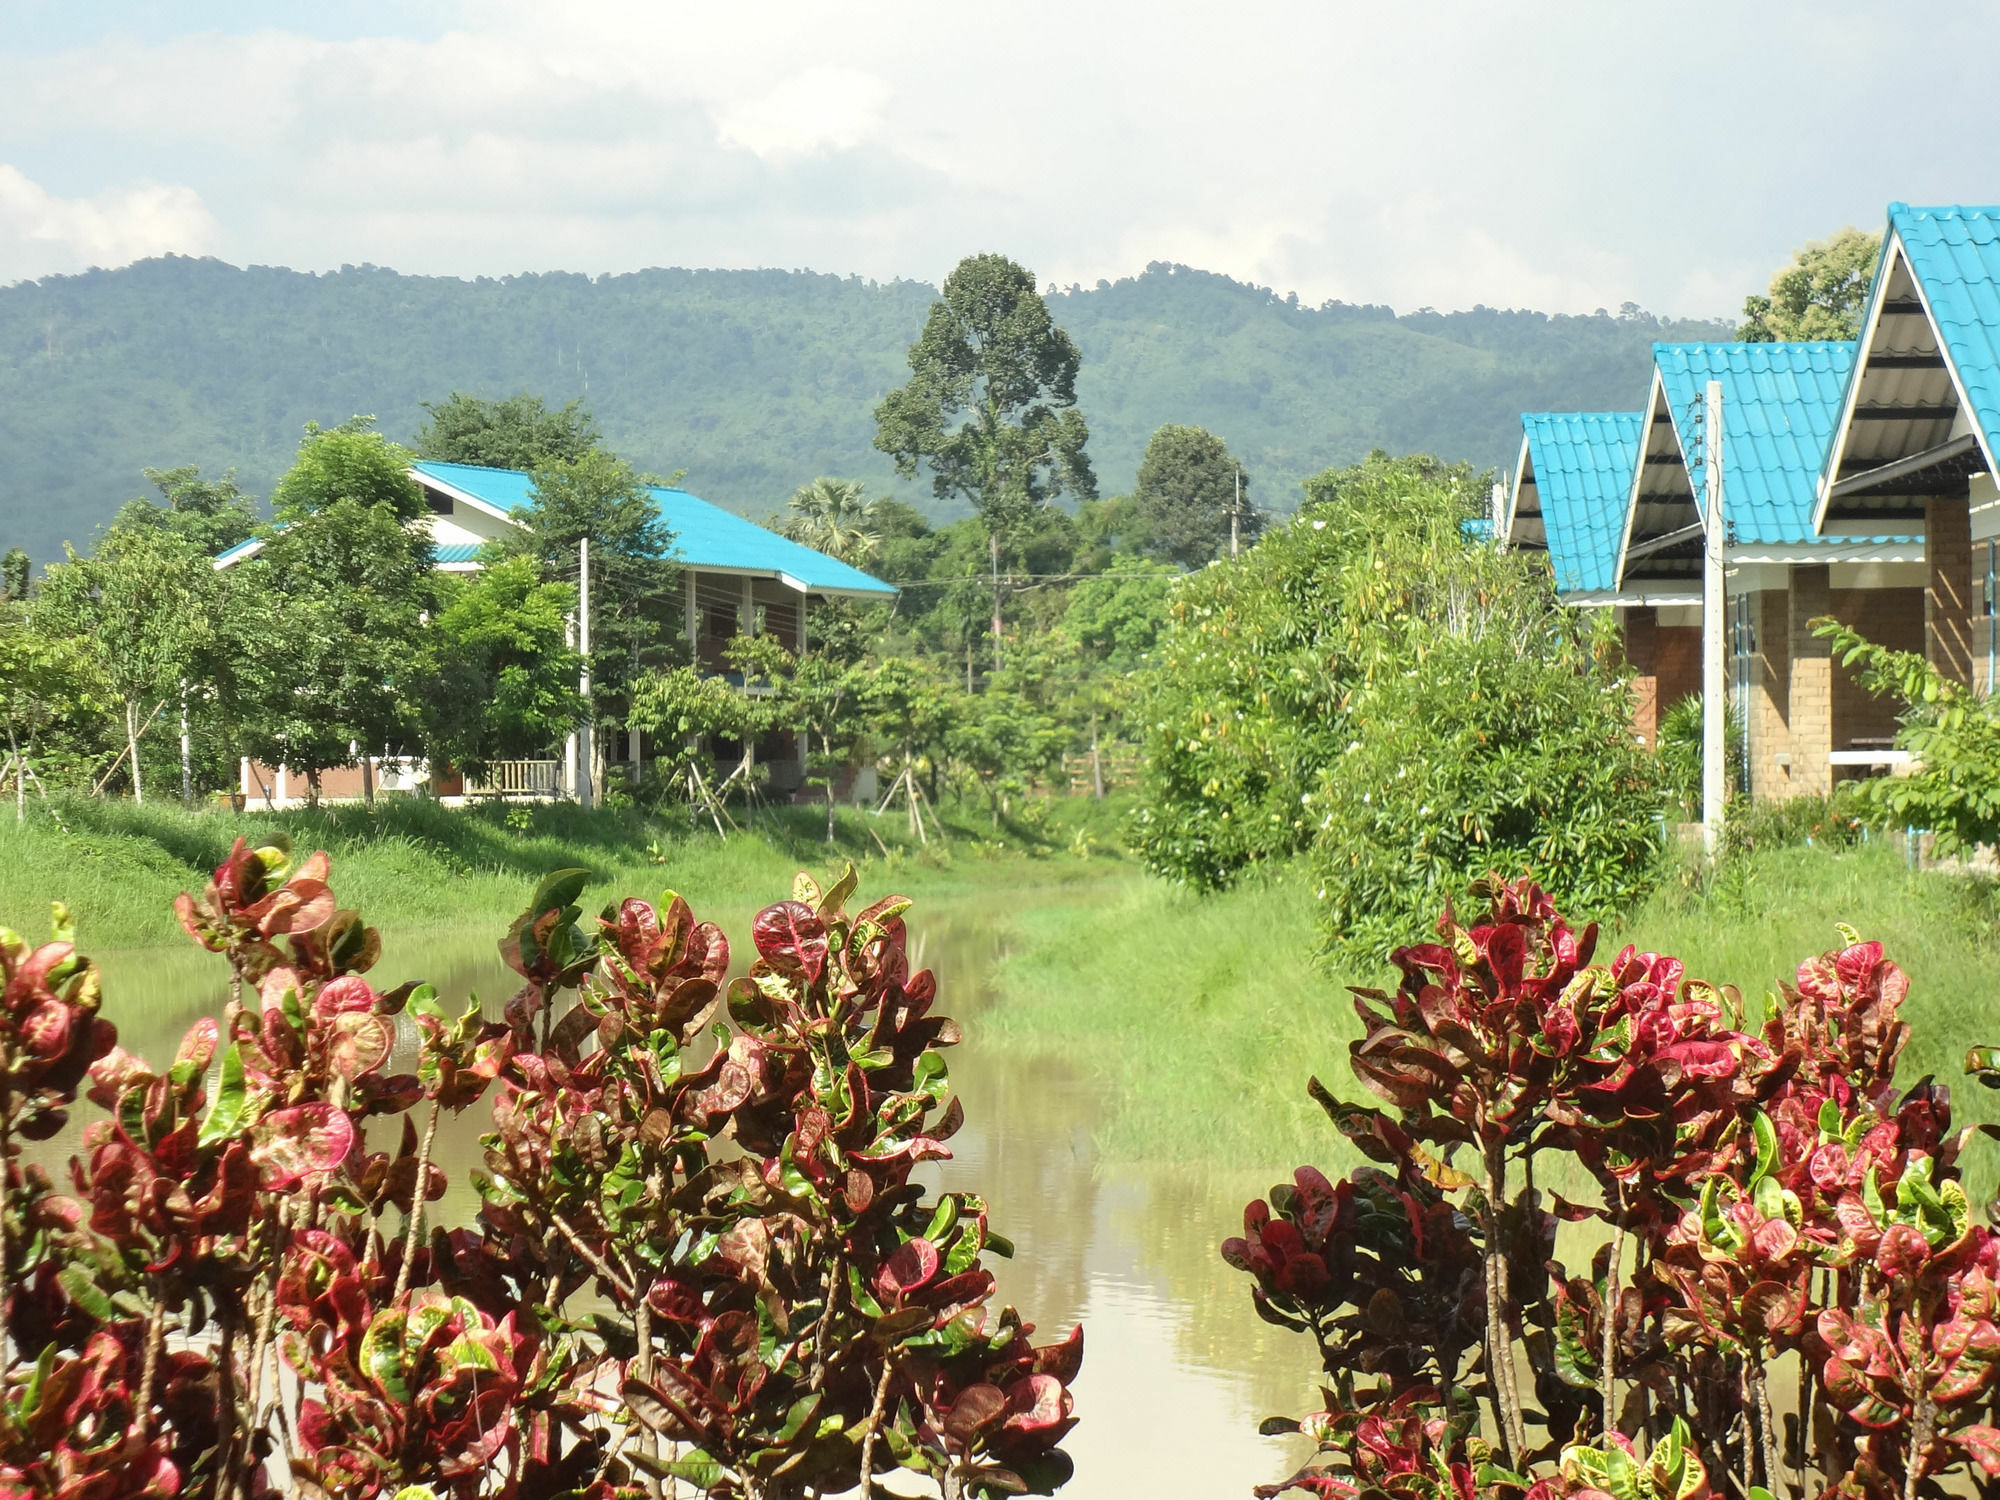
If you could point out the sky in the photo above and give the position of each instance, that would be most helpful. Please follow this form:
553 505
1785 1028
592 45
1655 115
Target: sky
1565 155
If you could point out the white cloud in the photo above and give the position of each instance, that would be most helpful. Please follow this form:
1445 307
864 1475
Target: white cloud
1562 154
40 232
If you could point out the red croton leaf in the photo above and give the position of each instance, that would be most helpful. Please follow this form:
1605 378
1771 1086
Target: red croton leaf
307 1140
792 932
913 1263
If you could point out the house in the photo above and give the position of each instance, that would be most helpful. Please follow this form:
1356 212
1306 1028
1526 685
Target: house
1804 720
1914 443
1571 486
736 576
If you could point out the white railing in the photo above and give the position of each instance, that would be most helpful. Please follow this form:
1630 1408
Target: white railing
517 778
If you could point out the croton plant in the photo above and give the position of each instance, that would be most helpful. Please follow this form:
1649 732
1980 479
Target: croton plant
700 1262
1786 1294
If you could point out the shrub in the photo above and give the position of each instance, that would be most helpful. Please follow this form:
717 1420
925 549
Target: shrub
710 1239
1680 755
1369 681
1771 1197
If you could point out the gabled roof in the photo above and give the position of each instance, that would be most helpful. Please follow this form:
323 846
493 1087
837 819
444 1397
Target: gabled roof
1780 403
1922 410
1955 254
1579 467
706 537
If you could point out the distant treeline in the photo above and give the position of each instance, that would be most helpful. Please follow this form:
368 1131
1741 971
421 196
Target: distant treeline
753 381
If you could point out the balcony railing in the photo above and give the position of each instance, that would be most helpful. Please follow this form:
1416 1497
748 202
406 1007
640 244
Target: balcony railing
517 778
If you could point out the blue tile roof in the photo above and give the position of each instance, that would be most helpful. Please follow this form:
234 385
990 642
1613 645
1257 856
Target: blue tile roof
705 536
1583 475
1780 403
1954 252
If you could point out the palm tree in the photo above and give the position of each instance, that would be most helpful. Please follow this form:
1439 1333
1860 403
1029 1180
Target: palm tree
832 516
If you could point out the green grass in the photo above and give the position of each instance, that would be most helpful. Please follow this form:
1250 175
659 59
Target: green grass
1203 1017
410 864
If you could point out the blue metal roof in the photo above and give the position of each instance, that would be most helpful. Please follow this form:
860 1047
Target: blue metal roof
1954 253
1780 403
456 552
705 535
1583 464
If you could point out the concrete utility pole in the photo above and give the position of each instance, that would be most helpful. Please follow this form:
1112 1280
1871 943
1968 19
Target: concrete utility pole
1714 711
586 748
1234 511
993 541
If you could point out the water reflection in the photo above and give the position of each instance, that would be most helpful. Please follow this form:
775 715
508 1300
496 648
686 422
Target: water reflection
1178 1371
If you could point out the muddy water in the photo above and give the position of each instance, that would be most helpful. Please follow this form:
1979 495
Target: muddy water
1178 1370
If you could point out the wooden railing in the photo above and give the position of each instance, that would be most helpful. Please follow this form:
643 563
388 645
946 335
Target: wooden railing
518 778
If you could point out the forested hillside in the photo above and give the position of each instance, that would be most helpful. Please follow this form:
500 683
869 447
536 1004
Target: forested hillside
753 381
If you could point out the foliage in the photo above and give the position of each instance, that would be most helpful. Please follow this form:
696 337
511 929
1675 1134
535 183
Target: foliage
834 516
1187 490
1368 682
1952 734
518 432
1679 744
502 676
346 582
1782 1199
719 1245
1819 295
634 587
754 379
211 515
990 407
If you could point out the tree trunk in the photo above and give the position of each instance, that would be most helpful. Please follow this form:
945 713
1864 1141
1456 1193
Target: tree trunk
994 542
829 809
187 754
132 748
1096 763
20 764
368 780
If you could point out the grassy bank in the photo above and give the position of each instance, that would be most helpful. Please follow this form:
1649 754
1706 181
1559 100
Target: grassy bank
1203 1017
413 865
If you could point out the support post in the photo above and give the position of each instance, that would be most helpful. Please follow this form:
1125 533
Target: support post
993 543
1235 511
586 748
187 752
1714 689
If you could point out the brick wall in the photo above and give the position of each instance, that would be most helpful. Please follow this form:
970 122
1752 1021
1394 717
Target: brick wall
1810 714
1948 599
1895 618
1678 655
1641 627
1770 694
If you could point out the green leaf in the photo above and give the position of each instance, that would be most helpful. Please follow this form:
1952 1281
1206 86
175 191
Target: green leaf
85 1293
698 1469
382 1355
225 1116
1766 1135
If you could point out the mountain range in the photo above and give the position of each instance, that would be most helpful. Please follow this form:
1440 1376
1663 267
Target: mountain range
752 381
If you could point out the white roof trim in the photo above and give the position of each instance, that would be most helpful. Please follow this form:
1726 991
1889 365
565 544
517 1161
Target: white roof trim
237 554
1628 598
1893 253
1655 394
1514 494
485 507
1832 550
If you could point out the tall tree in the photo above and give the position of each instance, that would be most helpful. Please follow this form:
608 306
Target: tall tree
503 678
348 581
1189 491
990 407
147 603
211 515
519 432
1819 295
634 600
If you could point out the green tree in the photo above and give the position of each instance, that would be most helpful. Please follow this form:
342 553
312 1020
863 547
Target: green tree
1819 295
147 603
1115 618
519 432
834 516
14 570
635 609
345 584
1189 490
502 675
990 407
211 515
1410 706
46 680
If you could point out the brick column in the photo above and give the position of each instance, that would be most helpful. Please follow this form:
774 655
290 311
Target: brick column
1642 647
1948 593
1770 695
1811 696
